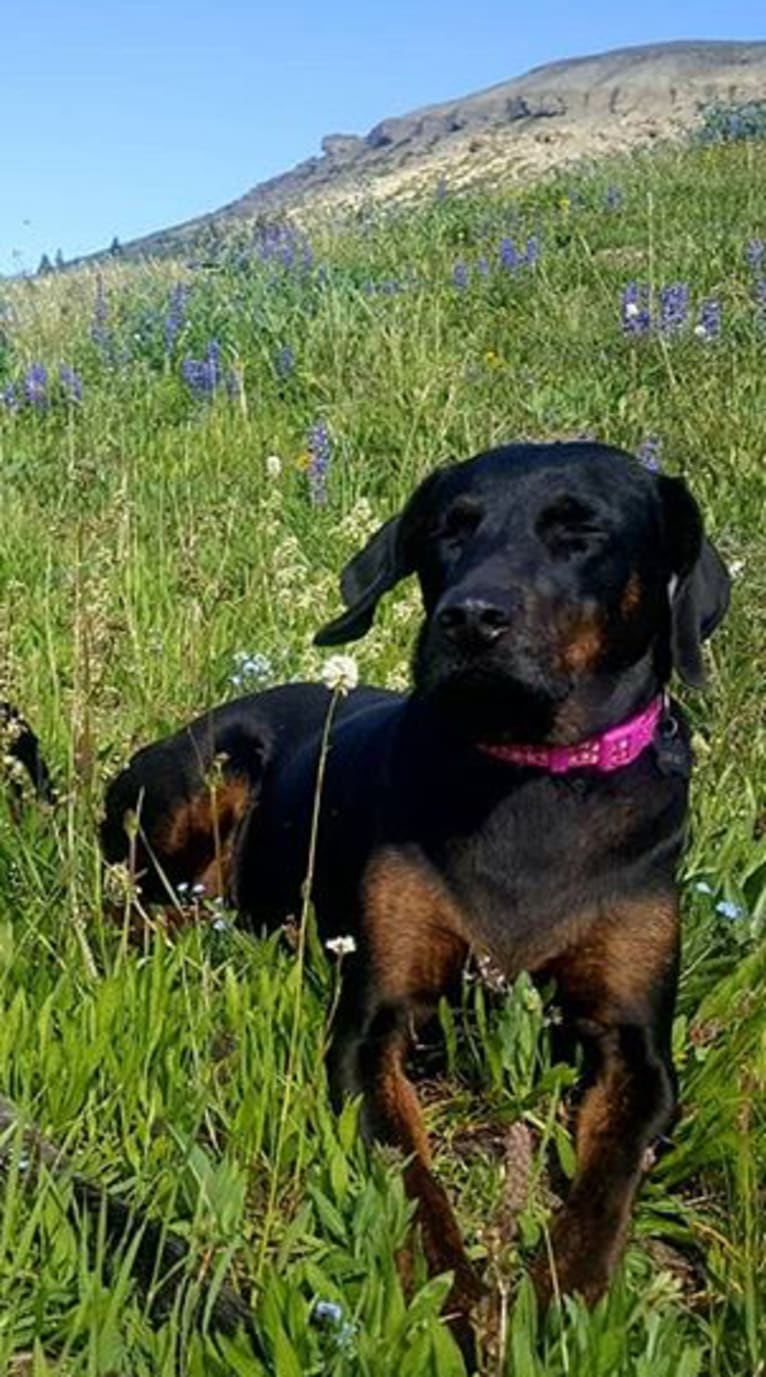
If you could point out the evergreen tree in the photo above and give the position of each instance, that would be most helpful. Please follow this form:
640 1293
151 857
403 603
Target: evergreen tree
45 265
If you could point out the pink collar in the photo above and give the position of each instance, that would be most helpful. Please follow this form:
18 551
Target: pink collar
611 750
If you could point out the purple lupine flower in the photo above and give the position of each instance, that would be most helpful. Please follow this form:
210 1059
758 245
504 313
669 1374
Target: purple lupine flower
509 258
709 324
192 372
649 453
674 307
635 312
613 198
9 397
99 332
213 363
176 316
754 251
460 276
71 382
36 385
760 299
320 454
482 266
203 376
532 251
284 361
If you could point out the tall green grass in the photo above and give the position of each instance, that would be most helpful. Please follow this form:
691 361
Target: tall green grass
147 555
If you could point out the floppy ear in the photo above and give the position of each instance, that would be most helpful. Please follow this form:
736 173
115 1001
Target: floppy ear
363 582
389 555
699 586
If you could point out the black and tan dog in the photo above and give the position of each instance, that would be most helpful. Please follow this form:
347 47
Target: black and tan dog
527 800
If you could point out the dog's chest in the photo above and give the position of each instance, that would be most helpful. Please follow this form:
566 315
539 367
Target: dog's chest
530 865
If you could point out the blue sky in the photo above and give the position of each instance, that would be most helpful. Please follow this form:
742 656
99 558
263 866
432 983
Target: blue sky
124 116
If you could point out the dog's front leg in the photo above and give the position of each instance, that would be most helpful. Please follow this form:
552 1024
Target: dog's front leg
410 953
619 988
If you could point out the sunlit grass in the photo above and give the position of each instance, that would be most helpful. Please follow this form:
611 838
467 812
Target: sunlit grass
149 553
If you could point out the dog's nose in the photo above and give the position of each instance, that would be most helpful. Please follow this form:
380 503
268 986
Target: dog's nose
473 619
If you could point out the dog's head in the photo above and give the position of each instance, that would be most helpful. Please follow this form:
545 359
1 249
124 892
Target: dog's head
559 582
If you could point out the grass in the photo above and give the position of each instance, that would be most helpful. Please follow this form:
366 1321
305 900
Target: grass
150 565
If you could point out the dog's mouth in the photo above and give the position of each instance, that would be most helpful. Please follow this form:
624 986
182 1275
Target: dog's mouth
503 694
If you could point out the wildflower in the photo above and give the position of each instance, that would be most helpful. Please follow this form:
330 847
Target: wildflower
532 251
198 890
202 376
709 324
509 258
284 361
220 925
341 946
754 251
729 910
176 316
460 275
36 385
251 669
492 360
674 307
702 887
340 673
648 453
327 1314
320 454
636 316
482 266
9 397
273 466
736 567
71 383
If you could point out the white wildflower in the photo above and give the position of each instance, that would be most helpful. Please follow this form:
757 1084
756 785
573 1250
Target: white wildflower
340 673
273 466
341 946
632 309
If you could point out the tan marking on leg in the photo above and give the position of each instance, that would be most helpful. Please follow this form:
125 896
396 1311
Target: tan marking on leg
414 929
613 982
417 946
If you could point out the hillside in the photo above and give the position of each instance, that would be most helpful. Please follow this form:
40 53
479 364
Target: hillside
189 452
552 116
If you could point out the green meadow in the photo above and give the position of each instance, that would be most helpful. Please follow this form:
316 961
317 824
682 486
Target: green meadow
155 558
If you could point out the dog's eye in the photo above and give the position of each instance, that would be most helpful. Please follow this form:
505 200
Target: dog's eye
568 529
459 522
